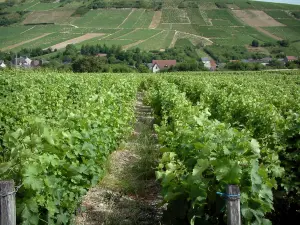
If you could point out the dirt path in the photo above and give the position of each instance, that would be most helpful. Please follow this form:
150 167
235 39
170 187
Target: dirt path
28 30
126 18
268 33
128 194
125 47
24 42
180 34
125 34
82 38
155 20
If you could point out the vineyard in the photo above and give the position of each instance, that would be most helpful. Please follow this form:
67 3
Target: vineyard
57 131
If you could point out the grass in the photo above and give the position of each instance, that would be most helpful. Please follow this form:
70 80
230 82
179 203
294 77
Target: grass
289 22
278 14
140 34
160 41
119 33
133 18
14 35
183 43
49 40
44 6
108 18
145 20
290 33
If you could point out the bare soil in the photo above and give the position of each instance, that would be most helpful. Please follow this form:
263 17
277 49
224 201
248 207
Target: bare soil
155 20
24 42
256 18
76 40
232 6
51 16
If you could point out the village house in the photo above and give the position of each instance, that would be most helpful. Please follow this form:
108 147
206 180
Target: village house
206 62
101 55
209 63
2 64
213 65
158 65
264 61
290 59
22 62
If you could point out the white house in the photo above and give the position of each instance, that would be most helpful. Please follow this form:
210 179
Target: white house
24 62
2 64
158 65
206 62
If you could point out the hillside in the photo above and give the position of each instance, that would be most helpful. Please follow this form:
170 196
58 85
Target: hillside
150 24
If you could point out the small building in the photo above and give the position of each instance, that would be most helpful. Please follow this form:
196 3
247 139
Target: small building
101 55
2 64
22 62
290 59
206 62
158 65
213 65
265 61
35 63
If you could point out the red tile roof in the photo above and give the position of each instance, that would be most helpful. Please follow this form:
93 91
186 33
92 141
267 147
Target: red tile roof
291 58
164 63
213 63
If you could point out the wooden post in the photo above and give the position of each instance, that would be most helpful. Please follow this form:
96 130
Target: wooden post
233 205
7 203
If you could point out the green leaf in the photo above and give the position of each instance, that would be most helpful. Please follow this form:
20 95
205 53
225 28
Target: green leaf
255 146
200 167
5 166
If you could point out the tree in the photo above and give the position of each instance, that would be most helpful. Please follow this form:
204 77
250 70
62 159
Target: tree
276 64
89 65
284 43
143 69
255 43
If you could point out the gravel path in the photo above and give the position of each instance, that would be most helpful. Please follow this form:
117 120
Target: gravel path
128 194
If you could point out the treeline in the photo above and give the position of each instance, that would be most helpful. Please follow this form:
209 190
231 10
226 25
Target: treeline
296 14
8 18
135 56
29 52
273 64
147 4
103 58
223 53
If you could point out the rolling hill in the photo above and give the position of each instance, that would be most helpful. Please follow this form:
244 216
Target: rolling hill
149 24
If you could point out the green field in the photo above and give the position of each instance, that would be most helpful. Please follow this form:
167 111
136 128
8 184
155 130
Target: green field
217 24
103 18
139 34
174 16
223 17
195 16
278 14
